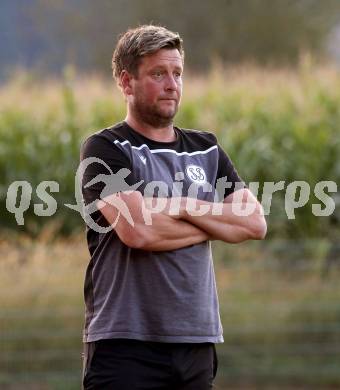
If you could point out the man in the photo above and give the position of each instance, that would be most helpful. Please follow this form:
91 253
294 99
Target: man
152 314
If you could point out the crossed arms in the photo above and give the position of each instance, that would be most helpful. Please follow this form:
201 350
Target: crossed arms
193 222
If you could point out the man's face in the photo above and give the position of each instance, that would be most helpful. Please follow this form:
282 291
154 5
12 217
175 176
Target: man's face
157 90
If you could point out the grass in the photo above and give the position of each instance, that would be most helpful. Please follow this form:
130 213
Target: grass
281 325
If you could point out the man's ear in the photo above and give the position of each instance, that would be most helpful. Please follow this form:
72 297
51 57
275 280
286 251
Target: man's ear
125 82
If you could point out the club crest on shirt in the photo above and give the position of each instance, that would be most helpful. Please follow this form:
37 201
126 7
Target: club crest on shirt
196 174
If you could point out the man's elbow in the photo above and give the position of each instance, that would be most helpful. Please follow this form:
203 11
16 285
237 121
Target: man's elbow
133 241
135 237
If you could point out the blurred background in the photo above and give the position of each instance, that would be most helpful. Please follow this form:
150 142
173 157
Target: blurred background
264 76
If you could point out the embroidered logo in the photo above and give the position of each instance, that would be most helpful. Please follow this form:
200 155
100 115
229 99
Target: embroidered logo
196 174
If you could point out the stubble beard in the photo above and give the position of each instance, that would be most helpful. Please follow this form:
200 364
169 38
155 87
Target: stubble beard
153 115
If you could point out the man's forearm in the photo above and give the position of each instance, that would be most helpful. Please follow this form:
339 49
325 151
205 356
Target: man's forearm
221 221
161 232
167 233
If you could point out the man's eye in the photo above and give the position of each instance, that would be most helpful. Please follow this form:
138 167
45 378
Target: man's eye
177 75
157 74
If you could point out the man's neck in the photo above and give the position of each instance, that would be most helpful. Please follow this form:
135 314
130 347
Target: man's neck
163 134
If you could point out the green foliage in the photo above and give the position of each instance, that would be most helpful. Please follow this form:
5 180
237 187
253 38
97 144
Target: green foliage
261 31
274 128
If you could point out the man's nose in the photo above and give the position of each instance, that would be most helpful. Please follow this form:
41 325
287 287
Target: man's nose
170 83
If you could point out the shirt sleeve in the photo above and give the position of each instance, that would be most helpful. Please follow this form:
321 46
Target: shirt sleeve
101 162
227 179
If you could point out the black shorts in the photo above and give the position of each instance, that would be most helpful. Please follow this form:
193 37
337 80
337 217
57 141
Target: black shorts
126 364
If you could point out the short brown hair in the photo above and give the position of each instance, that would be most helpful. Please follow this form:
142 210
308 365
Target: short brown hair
139 42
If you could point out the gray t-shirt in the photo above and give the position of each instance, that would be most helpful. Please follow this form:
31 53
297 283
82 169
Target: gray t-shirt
166 296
